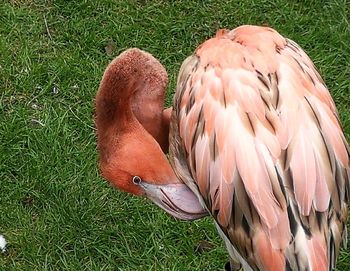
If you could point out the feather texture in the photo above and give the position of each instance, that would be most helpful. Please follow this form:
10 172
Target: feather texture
255 134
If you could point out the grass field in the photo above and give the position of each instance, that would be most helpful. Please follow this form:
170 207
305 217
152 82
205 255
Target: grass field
55 211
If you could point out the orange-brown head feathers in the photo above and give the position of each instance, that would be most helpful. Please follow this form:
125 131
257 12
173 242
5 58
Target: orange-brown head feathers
129 120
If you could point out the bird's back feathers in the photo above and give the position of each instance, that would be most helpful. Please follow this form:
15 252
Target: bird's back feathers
261 144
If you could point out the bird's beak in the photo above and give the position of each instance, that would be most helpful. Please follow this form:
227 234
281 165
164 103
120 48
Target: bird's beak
176 199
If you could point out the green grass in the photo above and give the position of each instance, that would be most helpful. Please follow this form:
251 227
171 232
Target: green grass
55 211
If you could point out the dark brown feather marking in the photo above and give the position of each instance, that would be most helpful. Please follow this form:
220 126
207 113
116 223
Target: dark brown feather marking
278 49
283 159
300 66
270 123
277 79
276 92
288 180
250 123
305 227
264 99
181 94
213 147
245 226
193 160
190 104
293 47
320 217
280 181
310 77
314 113
224 99
262 79
215 196
293 225
199 130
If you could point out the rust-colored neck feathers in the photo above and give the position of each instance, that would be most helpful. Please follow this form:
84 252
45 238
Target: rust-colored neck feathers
130 121
132 86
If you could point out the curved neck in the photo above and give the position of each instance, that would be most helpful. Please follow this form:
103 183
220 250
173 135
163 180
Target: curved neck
132 89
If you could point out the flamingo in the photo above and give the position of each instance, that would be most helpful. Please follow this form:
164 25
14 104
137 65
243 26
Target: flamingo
254 140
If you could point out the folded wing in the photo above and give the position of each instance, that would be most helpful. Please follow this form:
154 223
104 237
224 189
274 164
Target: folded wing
256 135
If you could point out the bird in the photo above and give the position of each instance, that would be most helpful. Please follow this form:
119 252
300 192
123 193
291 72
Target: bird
254 141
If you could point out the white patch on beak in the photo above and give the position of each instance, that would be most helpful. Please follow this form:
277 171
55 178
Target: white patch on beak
176 199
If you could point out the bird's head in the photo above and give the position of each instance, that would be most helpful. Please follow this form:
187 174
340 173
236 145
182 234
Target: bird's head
132 134
134 158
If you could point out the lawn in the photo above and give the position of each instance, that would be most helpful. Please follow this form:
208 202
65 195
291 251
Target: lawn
55 210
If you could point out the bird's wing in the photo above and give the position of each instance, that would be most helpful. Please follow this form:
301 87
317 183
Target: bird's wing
256 135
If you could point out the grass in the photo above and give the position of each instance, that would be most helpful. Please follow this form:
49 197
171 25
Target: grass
55 211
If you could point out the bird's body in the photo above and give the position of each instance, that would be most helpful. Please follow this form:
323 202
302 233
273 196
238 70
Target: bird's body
255 135
264 149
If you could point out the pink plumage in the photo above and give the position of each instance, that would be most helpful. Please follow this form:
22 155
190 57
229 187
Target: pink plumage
271 161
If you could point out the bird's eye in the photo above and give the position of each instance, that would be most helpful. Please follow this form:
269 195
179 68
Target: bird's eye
136 180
